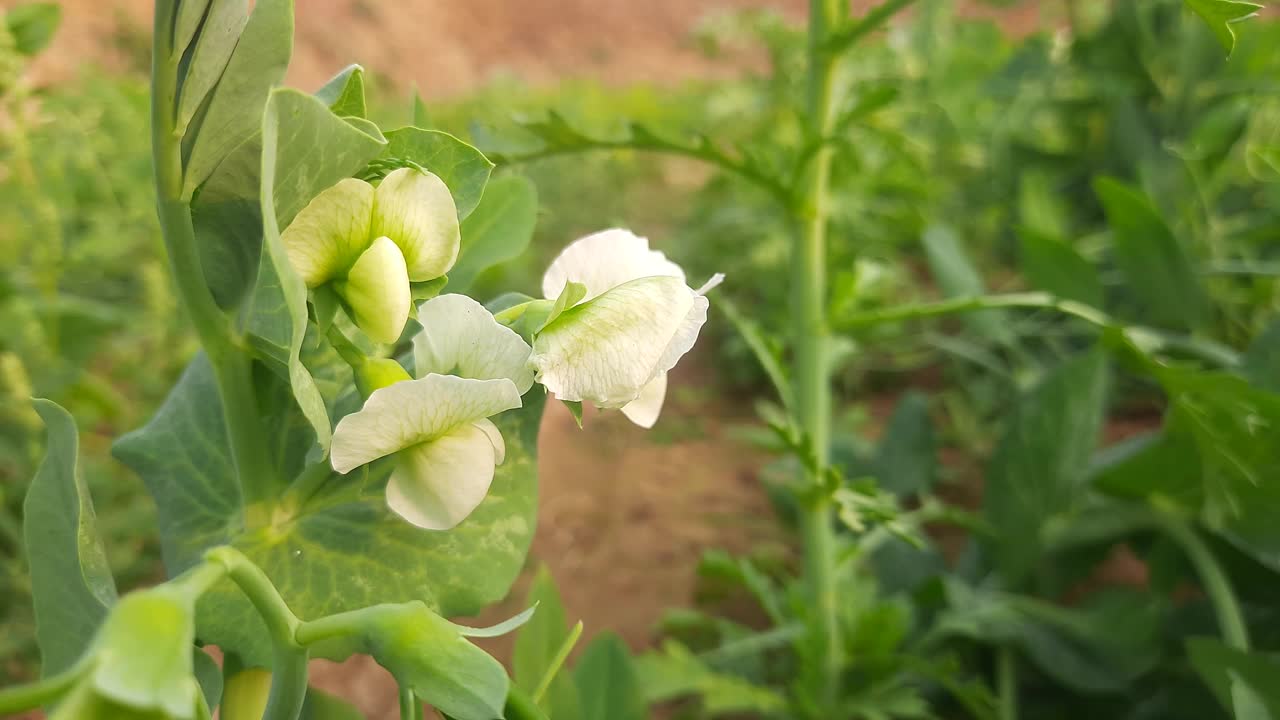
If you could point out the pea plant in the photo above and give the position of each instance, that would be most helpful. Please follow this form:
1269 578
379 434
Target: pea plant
322 487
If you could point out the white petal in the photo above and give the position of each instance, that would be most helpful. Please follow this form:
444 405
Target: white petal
495 437
437 484
605 260
415 210
327 236
460 337
416 411
606 350
377 291
644 410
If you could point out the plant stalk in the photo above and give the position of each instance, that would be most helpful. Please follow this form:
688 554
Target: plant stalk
18 699
1007 683
1226 606
408 705
232 364
809 322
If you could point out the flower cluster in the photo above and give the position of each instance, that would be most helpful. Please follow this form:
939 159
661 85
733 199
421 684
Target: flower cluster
615 318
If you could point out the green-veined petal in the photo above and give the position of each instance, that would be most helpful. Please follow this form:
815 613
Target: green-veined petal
460 337
413 412
436 485
331 232
414 209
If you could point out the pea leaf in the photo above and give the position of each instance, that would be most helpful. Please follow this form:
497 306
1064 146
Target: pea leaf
675 672
1220 15
1053 265
957 277
498 230
344 93
608 688
33 25
191 13
71 584
339 552
906 460
1223 668
536 646
1156 267
219 32
1262 360
235 107
464 169
293 172
1039 468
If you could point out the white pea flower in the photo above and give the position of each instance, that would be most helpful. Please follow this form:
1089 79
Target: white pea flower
638 317
370 243
470 368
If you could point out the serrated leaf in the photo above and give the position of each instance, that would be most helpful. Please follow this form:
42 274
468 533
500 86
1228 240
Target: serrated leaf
71 583
608 688
219 33
235 108
957 277
1156 267
344 93
498 230
1220 15
295 124
1053 265
32 25
464 169
1039 468
339 552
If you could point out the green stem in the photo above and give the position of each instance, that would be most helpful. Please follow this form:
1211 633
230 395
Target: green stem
1007 683
288 683
14 700
408 705
553 667
343 624
809 322
232 365
350 354
1213 578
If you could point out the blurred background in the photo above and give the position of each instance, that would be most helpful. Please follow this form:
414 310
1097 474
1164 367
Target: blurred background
986 118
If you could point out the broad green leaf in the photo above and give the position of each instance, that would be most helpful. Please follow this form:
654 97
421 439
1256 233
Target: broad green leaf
1156 267
339 552
209 675
1053 265
71 584
344 93
1223 667
323 706
536 646
676 672
1220 15
957 277
464 169
295 124
1163 463
1039 467
1262 360
191 14
235 106
906 460
32 25
1040 207
1235 429
219 33
498 230
608 688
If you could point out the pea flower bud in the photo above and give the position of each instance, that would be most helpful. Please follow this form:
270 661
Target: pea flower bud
371 243
613 347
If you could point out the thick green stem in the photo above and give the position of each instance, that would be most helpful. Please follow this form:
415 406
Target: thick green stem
1213 579
231 362
1007 683
288 683
408 705
809 323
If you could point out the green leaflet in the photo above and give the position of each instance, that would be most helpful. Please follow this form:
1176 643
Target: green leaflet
674 672
536 646
71 583
498 230
1039 468
464 169
257 64
1052 264
213 47
344 551
1220 15
32 25
294 127
957 277
1157 269
1223 668
907 458
344 93
608 688
190 14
